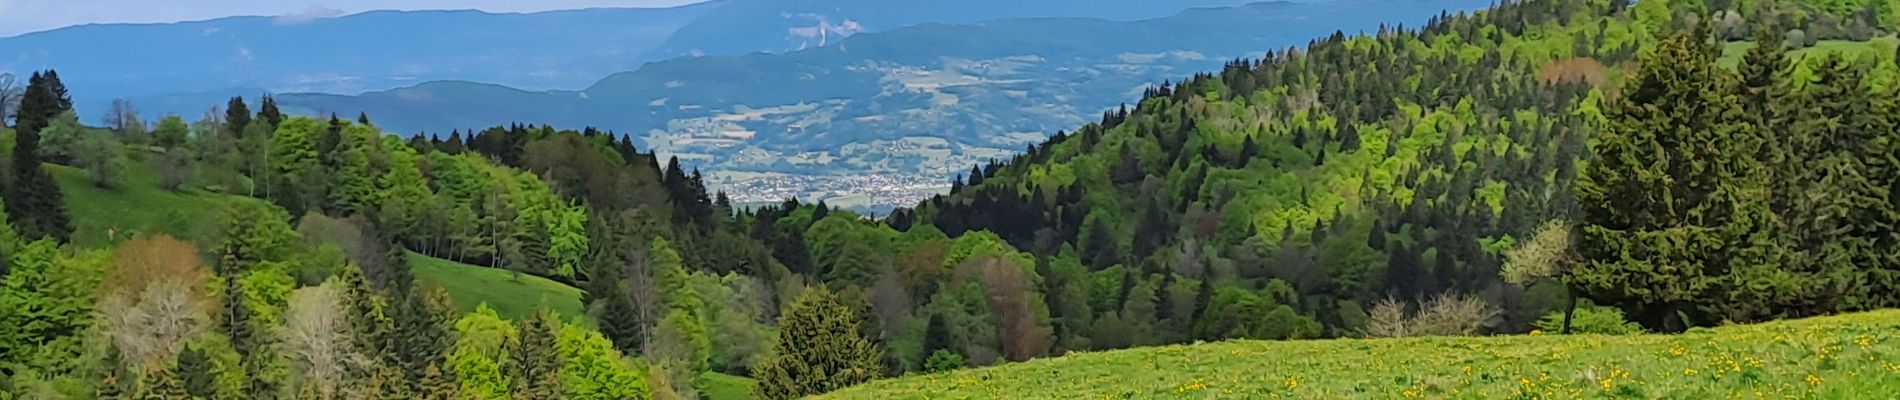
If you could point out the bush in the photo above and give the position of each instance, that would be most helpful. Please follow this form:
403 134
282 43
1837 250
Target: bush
944 360
1590 319
1443 315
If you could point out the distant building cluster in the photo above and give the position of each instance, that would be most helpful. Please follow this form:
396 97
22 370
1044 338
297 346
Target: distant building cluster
872 191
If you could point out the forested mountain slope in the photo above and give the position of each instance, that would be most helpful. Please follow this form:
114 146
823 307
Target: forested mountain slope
1399 165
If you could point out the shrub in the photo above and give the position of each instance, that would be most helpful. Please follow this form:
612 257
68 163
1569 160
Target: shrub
1590 320
1443 315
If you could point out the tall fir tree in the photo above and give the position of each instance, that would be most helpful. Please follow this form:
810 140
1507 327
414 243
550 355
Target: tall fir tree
34 203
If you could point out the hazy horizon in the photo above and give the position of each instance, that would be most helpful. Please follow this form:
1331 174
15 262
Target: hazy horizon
19 17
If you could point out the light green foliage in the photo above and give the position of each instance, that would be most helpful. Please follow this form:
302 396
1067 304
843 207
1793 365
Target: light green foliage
482 337
404 195
1776 359
670 278
975 244
61 139
591 369
567 236
354 190
252 234
46 306
172 132
267 290
1590 320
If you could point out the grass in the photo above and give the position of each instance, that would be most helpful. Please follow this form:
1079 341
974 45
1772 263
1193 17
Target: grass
137 204
1854 356
717 386
470 286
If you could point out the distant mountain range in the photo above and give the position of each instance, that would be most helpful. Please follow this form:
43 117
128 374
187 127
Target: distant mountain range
744 26
350 54
926 100
381 50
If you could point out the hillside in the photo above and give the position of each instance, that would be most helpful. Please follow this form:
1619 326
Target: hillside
1840 357
102 216
512 296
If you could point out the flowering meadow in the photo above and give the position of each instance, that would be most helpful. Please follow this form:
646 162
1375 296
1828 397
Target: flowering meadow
1854 356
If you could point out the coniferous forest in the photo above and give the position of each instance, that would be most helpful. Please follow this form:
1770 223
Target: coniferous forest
1543 166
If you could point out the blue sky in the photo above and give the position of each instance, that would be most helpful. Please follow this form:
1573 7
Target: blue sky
23 16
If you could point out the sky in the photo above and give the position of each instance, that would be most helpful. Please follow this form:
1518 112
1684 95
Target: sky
23 16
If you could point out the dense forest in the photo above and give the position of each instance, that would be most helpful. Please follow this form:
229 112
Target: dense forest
1561 166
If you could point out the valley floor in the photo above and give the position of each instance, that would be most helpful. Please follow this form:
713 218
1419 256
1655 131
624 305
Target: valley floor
1854 356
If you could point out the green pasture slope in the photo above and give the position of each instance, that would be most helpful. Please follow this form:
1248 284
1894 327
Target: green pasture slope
1853 356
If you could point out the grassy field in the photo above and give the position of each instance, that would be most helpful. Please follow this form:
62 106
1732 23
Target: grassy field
470 286
1843 357
719 386
136 205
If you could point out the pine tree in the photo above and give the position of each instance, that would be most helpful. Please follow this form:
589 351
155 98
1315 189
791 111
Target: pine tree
820 349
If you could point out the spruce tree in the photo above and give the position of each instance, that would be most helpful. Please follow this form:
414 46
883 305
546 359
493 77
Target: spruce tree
236 117
535 362
269 113
615 249
937 337
422 325
234 318
1673 200
161 384
821 349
